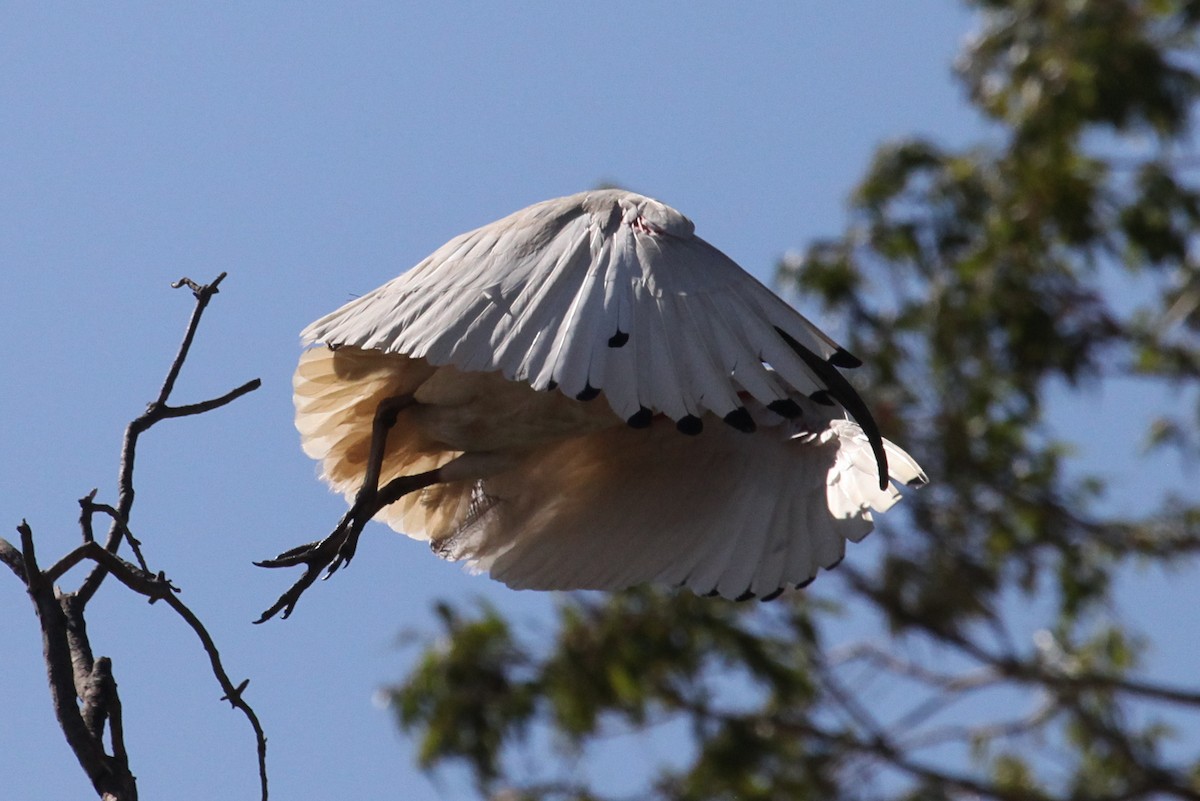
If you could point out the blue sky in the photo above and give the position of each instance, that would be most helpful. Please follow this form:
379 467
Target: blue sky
314 151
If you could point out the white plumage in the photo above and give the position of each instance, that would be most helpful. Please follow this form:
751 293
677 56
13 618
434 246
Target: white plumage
555 363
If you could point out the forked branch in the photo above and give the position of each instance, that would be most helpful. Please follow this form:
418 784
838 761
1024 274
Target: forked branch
82 687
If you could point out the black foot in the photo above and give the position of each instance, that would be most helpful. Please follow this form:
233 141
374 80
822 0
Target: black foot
326 555
338 548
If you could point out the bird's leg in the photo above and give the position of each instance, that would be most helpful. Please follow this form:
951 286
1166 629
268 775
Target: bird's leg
385 419
339 547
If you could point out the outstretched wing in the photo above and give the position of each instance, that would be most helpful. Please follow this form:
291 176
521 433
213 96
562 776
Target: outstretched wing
604 292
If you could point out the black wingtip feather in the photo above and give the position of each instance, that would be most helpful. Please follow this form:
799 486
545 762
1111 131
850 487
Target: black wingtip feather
641 418
745 596
740 419
840 388
618 339
588 393
786 408
690 425
822 397
844 358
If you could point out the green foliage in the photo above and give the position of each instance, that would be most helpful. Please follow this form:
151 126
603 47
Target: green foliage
466 694
976 283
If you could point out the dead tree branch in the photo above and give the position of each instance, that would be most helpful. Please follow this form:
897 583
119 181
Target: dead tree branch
82 687
159 410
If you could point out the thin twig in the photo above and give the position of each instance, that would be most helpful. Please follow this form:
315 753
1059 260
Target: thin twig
978 678
156 411
1040 716
89 507
1024 670
233 694
170 412
203 294
160 588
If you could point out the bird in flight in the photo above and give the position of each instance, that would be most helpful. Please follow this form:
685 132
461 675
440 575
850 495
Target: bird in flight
587 395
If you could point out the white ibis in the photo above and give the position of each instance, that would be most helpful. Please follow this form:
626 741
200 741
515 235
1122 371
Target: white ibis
586 395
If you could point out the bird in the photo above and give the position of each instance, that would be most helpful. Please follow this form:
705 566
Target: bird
586 395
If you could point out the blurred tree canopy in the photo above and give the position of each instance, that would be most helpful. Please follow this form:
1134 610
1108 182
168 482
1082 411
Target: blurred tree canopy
978 284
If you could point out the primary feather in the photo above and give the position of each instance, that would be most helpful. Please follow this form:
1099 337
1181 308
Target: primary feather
505 334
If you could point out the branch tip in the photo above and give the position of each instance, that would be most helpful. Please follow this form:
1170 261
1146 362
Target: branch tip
200 290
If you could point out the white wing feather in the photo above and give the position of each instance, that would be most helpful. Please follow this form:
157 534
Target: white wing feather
723 513
539 296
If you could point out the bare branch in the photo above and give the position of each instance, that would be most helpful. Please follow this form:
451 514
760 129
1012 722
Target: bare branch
89 507
156 411
10 556
981 677
116 726
72 558
82 661
233 694
96 697
85 515
29 555
83 690
203 294
154 587
209 405
158 587
1029 671
1041 715
104 774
